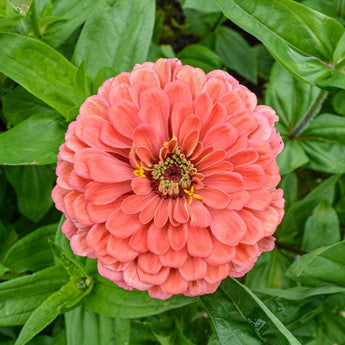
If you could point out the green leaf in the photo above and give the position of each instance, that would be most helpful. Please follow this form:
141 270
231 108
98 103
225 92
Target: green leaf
322 267
87 328
301 39
103 74
71 266
207 6
74 13
68 296
236 53
289 183
200 56
267 326
338 102
25 60
269 271
169 332
118 34
264 60
32 252
19 297
111 300
34 141
22 6
33 186
7 237
301 292
296 216
325 156
231 327
290 98
16 112
326 127
322 228
292 157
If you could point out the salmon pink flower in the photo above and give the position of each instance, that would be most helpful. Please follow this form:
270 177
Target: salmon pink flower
168 177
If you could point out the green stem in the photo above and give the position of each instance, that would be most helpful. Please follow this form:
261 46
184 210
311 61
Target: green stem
291 248
309 115
34 21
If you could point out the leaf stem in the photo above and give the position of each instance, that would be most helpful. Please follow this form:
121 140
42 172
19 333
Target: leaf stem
309 115
34 21
291 248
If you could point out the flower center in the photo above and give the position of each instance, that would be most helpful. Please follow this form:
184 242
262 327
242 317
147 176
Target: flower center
172 173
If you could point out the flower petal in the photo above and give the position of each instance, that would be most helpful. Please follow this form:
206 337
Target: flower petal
122 225
157 239
120 249
175 283
174 258
177 236
123 115
100 193
215 198
227 226
229 182
199 242
193 269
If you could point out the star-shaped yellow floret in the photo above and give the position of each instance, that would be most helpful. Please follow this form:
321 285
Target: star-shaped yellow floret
192 195
174 137
140 172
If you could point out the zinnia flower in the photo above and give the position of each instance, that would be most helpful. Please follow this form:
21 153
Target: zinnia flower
168 177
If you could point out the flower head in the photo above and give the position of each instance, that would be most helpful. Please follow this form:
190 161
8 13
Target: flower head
168 177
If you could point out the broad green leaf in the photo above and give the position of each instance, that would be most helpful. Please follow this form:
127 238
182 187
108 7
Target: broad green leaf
202 23
266 324
34 141
200 56
269 271
331 8
322 228
41 70
169 332
33 186
103 74
289 183
236 53
338 102
22 6
264 61
297 215
322 267
231 327
68 296
111 300
289 97
32 252
301 39
74 14
326 127
301 292
118 34
325 156
292 157
332 267
71 266
19 297
7 237
16 112
208 6
331 327
87 328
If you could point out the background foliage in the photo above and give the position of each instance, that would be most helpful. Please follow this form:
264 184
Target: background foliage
55 53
